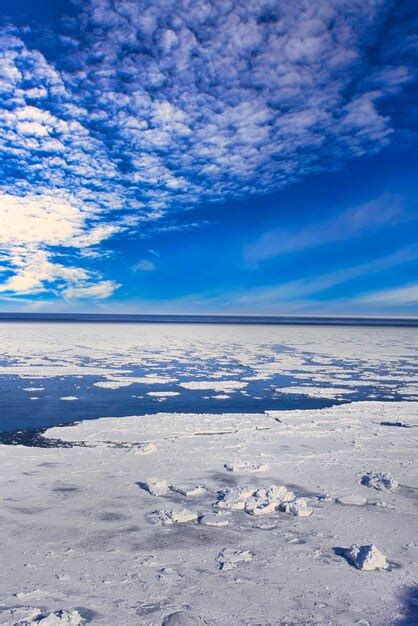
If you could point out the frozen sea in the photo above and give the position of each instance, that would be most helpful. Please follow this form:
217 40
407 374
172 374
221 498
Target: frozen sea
158 474
51 372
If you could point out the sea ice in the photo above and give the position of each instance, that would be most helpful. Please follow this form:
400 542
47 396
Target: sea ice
28 616
265 501
229 558
366 557
190 491
156 486
143 449
234 498
298 507
183 618
352 500
381 481
212 519
247 466
175 516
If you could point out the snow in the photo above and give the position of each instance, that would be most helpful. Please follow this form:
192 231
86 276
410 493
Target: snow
81 534
352 500
82 518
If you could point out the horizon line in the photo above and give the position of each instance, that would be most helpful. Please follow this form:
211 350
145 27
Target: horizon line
209 318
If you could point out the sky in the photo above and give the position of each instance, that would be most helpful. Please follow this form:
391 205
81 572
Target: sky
196 156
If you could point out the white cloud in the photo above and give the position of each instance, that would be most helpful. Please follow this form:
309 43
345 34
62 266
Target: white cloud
99 291
32 227
151 108
144 266
392 297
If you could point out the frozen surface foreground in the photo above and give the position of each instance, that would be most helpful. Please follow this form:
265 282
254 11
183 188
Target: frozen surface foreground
274 517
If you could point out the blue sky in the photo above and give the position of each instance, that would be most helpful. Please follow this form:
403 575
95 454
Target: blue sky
195 157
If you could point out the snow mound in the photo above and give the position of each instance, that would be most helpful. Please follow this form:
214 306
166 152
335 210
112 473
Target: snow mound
366 557
229 558
381 481
156 486
254 501
265 501
145 448
298 507
246 466
175 516
182 618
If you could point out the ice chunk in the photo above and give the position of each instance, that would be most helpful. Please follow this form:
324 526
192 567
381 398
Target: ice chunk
145 448
298 507
381 481
211 519
265 501
156 486
366 557
229 558
182 618
352 500
234 498
190 491
246 466
175 516
29 616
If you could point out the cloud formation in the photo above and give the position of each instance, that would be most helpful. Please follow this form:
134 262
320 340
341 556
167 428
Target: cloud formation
367 217
140 109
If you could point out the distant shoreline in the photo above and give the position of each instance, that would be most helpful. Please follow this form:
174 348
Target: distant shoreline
109 318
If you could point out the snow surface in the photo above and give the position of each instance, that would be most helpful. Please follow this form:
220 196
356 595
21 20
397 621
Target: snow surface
76 521
82 540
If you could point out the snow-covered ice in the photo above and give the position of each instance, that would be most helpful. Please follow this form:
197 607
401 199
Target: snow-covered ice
249 467
229 558
298 507
78 527
366 557
382 481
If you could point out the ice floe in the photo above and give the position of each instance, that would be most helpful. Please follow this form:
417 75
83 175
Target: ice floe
221 385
